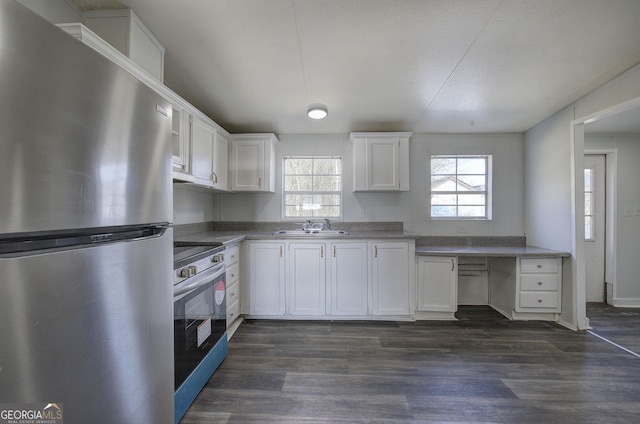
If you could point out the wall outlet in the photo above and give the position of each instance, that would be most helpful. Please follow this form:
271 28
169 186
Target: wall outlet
628 211
361 214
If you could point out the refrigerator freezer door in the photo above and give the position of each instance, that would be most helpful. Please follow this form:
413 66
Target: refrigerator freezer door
84 144
91 328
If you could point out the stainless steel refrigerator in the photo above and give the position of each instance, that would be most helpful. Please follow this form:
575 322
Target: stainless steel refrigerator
86 304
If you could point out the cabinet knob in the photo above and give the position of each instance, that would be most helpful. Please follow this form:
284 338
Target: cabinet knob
539 266
539 300
539 283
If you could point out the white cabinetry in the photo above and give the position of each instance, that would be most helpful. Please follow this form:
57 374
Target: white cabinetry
538 284
266 278
125 31
221 162
437 287
306 282
232 262
390 278
348 279
253 162
181 145
203 138
381 161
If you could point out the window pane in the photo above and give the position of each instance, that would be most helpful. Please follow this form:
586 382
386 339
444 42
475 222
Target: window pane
471 199
471 211
327 166
588 202
588 228
298 166
443 183
443 211
443 199
293 212
472 166
328 199
588 174
326 183
297 183
471 183
443 165
329 211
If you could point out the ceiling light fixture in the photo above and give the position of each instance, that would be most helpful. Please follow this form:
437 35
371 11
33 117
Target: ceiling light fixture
317 112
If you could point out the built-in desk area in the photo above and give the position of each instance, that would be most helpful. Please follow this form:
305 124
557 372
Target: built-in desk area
519 281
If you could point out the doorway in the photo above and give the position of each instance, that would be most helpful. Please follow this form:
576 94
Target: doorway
594 226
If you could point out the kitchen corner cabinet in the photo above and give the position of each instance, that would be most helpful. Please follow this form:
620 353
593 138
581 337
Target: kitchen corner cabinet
203 137
390 278
266 278
306 282
381 161
437 287
252 164
348 279
126 32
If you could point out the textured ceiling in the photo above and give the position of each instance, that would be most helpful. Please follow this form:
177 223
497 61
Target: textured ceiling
425 66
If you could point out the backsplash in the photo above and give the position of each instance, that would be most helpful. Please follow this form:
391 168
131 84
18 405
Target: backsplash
226 226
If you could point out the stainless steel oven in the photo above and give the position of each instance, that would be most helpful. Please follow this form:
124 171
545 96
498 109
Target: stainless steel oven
200 319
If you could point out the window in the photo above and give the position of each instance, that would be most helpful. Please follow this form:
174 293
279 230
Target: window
312 187
589 231
460 186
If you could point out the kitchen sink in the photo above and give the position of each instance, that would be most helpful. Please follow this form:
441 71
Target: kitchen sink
310 232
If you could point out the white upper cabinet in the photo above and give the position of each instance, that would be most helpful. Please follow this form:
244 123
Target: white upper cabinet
181 145
252 165
381 161
126 32
221 162
203 137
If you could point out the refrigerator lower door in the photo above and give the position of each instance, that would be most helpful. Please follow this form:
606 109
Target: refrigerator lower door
91 329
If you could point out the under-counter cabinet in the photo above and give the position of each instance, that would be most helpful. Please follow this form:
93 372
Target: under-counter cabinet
306 278
232 263
538 285
349 279
266 279
252 164
390 279
437 287
381 161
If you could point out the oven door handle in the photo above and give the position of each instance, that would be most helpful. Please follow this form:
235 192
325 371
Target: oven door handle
201 279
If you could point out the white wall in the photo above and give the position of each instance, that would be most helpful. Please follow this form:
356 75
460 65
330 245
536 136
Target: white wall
627 234
549 220
409 207
56 11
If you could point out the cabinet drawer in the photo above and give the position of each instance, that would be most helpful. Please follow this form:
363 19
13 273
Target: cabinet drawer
533 282
233 274
231 255
537 265
539 300
233 311
233 293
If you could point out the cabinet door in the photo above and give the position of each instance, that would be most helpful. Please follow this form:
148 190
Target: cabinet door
266 278
437 284
202 142
390 278
180 143
247 165
349 279
383 164
221 163
307 265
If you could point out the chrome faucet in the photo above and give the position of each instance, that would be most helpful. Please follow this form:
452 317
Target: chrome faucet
327 224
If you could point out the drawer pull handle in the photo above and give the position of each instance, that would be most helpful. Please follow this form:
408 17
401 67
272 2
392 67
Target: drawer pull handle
539 283
539 300
539 266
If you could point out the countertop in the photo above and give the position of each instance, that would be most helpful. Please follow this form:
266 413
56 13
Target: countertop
219 238
489 251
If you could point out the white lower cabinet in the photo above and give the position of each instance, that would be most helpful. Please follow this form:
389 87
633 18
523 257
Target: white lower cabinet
307 269
390 279
330 279
348 279
538 283
266 278
437 287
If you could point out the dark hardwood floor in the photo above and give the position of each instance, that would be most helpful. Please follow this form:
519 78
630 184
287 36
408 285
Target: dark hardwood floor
482 368
619 325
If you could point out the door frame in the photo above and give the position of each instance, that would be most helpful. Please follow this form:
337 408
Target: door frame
610 224
577 150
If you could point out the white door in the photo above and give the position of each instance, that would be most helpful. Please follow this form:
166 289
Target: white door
307 265
594 193
349 279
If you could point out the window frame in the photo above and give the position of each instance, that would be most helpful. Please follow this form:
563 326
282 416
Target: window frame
312 193
488 191
592 176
